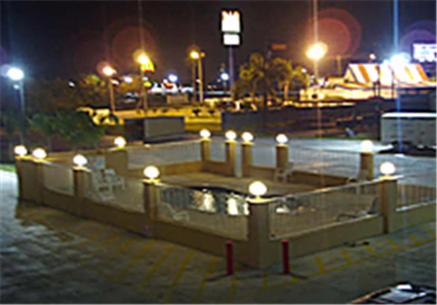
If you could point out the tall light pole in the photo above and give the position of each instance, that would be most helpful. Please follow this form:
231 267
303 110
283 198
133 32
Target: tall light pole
197 56
109 71
17 75
146 65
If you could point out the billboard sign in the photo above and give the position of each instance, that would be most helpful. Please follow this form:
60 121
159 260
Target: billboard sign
231 22
425 52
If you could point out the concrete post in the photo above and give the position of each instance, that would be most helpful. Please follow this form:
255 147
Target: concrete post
81 183
205 149
388 191
151 201
117 159
262 252
281 155
20 172
366 166
246 158
230 151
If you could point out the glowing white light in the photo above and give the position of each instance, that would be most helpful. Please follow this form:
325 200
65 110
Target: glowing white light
15 74
39 153
400 59
224 76
80 160
387 168
120 142
317 51
372 56
247 137
230 135
128 79
281 138
232 206
108 71
151 172
20 150
367 146
173 78
257 188
205 133
71 84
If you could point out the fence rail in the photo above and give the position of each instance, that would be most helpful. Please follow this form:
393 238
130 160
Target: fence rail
411 193
58 178
216 212
163 154
296 214
106 187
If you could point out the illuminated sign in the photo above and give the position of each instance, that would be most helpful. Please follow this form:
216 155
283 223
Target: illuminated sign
425 52
231 39
231 22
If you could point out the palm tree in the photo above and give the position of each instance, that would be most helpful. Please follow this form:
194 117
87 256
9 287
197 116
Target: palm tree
263 76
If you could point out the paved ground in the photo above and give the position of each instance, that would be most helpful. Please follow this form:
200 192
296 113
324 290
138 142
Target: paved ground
48 256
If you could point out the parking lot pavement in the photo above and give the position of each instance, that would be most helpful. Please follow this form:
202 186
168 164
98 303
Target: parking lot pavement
48 256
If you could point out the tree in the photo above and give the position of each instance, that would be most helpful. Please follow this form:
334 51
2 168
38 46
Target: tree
47 124
263 76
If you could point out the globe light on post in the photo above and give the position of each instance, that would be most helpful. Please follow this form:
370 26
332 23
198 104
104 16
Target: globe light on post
367 146
205 134
281 139
224 76
247 137
20 150
257 189
15 74
151 173
194 54
128 79
120 142
80 160
39 154
230 135
387 169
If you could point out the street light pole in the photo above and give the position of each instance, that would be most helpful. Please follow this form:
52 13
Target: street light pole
17 75
200 73
193 76
109 71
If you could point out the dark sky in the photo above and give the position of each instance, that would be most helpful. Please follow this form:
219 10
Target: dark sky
64 38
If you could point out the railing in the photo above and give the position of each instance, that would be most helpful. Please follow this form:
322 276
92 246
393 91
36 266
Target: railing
325 161
215 212
163 154
217 150
291 215
58 178
264 154
106 187
412 190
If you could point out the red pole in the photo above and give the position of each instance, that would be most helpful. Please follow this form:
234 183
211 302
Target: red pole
285 262
230 257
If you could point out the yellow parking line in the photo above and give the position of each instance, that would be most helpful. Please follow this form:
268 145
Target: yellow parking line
155 267
212 266
413 238
320 264
392 244
178 276
346 257
232 288
294 280
133 261
370 250
265 283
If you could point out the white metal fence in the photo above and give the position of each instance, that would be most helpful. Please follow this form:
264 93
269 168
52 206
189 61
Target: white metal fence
296 214
162 154
58 178
106 187
210 211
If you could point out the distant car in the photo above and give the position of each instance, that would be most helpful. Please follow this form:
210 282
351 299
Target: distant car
404 293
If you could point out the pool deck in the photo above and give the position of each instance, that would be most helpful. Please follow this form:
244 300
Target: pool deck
238 184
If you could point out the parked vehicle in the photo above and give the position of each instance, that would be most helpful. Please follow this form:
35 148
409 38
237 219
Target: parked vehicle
404 293
409 129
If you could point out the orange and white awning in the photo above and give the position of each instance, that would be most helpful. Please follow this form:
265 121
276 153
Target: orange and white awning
408 75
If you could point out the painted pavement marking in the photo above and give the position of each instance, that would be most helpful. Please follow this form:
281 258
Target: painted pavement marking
178 276
212 267
320 264
155 267
233 282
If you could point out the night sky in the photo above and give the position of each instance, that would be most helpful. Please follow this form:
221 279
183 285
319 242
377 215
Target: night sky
65 38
